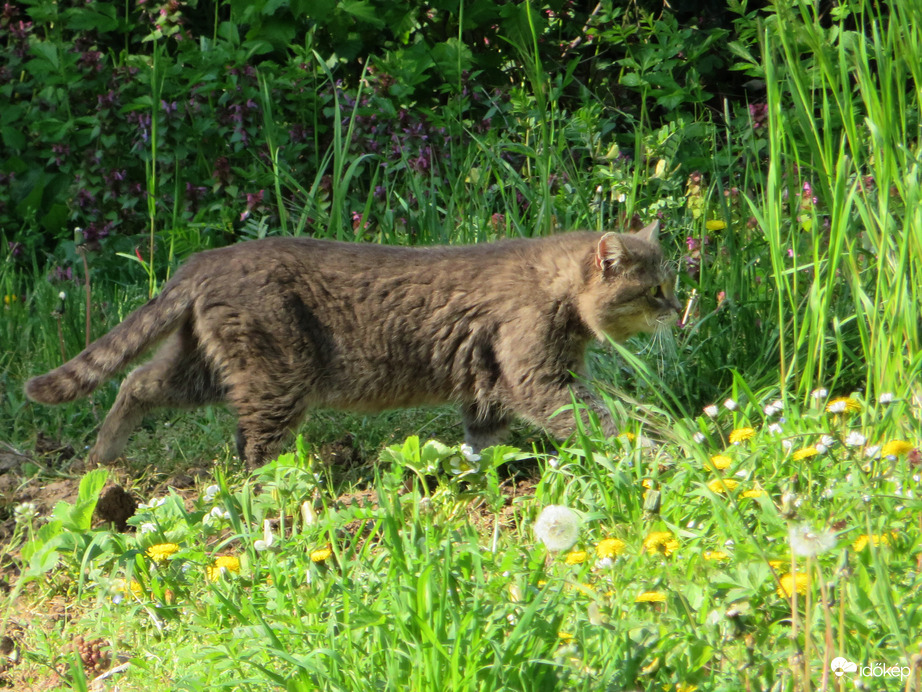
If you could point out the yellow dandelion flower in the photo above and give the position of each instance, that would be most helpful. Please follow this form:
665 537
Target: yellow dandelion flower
685 687
661 542
136 588
715 555
776 564
896 448
577 557
565 637
721 461
610 547
805 453
844 404
322 554
741 435
863 540
790 583
715 225
10 298
647 483
628 436
722 485
752 493
222 565
161 551
651 597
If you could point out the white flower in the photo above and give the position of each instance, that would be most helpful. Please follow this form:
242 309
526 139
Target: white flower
770 410
557 527
698 437
827 440
885 398
774 429
469 453
837 406
308 516
553 462
855 439
806 542
153 503
25 512
147 527
872 451
778 404
268 538
820 393
787 444
604 563
711 411
211 492
730 405
62 295
820 447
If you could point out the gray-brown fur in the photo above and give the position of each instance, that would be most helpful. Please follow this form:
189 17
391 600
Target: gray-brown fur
277 326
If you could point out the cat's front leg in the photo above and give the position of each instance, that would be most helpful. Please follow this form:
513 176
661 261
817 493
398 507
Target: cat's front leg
543 407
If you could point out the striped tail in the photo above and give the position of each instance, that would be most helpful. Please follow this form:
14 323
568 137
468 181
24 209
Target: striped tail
107 355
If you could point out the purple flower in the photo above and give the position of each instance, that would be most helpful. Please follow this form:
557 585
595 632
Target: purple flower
758 113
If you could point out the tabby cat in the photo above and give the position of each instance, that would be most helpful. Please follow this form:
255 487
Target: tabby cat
274 327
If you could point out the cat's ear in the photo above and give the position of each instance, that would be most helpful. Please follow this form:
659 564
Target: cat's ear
650 232
610 252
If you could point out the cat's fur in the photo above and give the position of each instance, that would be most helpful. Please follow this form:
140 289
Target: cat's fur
276 326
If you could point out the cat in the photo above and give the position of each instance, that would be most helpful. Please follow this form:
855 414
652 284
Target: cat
276 326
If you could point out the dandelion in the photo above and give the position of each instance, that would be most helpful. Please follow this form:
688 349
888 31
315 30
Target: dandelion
321 554
791 583
896 448
565 637
730 405
661 542
805 453
864 540
651 597
752 493
718 555
161 551
223 565
557 527
610 547
711 411
722 485
806 542
715 225
577 557
855 439
843 405
776 564
721 461
741 435
628 436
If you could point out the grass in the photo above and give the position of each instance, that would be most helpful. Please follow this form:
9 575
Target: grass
746 547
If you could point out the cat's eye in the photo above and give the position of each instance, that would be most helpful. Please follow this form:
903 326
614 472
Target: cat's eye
656 292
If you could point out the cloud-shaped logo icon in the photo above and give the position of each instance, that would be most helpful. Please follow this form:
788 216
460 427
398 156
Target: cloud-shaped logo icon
840 666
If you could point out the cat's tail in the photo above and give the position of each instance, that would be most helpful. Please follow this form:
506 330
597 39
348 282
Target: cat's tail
107 355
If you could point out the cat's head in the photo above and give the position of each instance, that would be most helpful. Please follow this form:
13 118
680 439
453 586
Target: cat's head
628 286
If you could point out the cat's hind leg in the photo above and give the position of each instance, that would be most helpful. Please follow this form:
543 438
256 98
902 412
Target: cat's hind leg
485 425
178 376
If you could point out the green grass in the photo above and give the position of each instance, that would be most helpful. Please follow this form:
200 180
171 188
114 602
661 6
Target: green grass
436 580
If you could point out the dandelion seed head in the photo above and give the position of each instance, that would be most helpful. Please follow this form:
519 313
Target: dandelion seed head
557 527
